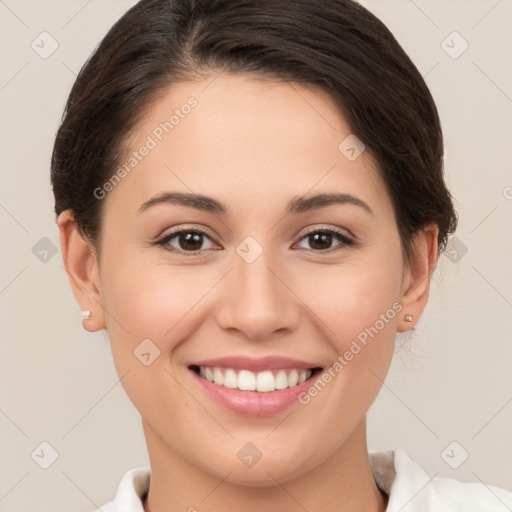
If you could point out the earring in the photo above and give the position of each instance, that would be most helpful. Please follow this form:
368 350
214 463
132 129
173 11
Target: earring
86 314
408 318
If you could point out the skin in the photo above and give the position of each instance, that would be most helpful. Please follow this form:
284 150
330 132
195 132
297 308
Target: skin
253 145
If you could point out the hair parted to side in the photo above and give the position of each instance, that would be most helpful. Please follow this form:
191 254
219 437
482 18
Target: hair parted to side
336 45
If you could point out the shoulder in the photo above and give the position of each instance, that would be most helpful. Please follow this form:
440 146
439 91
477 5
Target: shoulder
411 489
130 493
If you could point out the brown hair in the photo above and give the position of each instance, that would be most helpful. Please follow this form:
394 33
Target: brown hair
337 45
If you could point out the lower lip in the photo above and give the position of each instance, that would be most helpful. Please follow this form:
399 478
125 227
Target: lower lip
255 403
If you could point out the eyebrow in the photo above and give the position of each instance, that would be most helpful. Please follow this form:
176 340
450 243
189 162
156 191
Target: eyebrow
297 205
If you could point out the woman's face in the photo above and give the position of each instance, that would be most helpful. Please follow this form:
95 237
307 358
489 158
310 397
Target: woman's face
255 275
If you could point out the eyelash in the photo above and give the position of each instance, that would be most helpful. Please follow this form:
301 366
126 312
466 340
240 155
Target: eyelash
341 237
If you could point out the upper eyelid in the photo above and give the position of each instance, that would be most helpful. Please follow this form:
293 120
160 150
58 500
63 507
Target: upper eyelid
203 231
176 231
340 231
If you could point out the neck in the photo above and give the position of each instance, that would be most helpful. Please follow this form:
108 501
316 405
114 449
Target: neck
342 483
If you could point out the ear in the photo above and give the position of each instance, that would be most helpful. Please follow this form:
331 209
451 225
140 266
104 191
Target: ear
416 277
80 262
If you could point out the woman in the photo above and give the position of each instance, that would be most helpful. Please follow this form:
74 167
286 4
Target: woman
251 201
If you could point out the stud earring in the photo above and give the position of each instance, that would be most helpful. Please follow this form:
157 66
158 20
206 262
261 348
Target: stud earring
86 314
408 318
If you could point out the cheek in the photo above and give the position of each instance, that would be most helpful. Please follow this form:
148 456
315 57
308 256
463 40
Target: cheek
354 298
148 300
358 305
358 308
149 307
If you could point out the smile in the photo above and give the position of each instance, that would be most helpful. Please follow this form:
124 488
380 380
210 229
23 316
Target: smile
246 380
254 387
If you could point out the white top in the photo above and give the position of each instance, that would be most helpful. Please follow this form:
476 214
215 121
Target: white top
406 483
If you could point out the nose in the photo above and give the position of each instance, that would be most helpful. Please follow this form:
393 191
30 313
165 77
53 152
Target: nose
258 300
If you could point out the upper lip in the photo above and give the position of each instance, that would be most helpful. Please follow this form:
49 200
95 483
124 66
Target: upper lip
256 364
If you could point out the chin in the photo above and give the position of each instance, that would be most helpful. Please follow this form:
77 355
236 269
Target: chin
265 476
264 472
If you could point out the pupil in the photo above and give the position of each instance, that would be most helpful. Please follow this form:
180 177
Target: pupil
187 241
320 237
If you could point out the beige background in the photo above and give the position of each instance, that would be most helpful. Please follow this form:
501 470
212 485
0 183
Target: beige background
451 381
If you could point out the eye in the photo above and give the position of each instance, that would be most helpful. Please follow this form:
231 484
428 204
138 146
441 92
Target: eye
186 240
321 240
194 241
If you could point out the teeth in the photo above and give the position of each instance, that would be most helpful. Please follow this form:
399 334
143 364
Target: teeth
281 380
208 374
246 380
230 380
265 381
293 378
218 378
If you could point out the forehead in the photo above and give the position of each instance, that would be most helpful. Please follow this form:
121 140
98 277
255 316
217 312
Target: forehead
233 135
